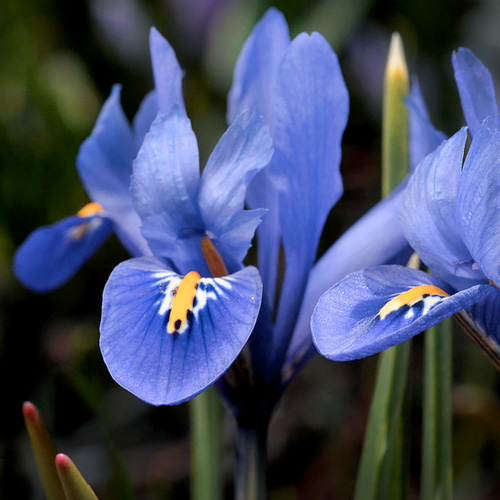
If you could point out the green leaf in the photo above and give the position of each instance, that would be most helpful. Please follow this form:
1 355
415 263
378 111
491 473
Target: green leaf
380 475
75 487
44 451
437 432
395 118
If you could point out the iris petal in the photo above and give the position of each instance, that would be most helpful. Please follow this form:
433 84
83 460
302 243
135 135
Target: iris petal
429 214
243 150
169 368
376 238
51 255
165 188
144 118
105 166
424 138
167 73
477 90
256 70
353 319
485 316
311 108
477 201
254 86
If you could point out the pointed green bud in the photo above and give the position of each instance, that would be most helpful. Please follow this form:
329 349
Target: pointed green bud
44 451
395 159
75 487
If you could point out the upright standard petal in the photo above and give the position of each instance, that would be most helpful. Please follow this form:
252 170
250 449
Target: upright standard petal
257 67
477 90
375 309
377 238
167 73
424 138
254 86
312 105
241 153
165 188
166 338
144 118
51 255
478 201
104 163
429 214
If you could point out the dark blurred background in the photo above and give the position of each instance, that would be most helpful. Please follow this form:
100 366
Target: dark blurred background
58 61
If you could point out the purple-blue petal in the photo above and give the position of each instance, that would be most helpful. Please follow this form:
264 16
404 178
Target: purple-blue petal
244 149
105 166
477 201
377 238
168 368
349 321
485 315
429 214
254 86
144 118
51 255
424 138
256 70
165 188
477 90
167 73
312 106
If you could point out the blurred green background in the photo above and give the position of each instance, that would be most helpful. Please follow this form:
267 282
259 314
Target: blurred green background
58 61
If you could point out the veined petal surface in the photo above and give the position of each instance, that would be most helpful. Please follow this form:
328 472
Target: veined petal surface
169 368
105 166
256 70
167 73
312 105
424 138
478 201
244 149
254 86
477 90
485 315
377 238
144 118
51 255
372 310
429 214
165 188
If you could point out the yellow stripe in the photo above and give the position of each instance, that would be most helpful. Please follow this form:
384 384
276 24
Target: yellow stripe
89 209
183 302
410 297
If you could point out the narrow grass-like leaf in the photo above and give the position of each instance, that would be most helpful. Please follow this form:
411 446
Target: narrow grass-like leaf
75 486
44 451
436 456
395 159
378 476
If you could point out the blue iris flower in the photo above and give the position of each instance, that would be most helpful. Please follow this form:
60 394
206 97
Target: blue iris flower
53 254
191 314
449 213
298 88
174 322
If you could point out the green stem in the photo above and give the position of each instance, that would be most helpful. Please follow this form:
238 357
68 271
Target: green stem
206 474
380 475
250 480
436 458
